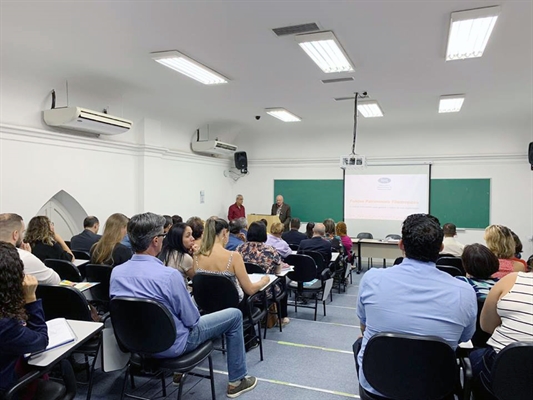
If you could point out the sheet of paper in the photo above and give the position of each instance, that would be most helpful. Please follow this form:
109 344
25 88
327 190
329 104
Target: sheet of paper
59 333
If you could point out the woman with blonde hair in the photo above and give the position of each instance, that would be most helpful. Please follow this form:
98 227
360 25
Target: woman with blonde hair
275 240
108 250
500 241
45 242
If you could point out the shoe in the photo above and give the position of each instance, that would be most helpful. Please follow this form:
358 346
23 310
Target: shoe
252 345
247 384
285 321
176 379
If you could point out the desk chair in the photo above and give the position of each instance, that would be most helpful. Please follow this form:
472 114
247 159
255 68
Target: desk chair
67 242
214 293
46 389
508 379
81 255
275 298
155 334
452 261
318 258
391 236
303 273
70 303
480 336
410 367
365 235
453 271
65 269
99 293
294 247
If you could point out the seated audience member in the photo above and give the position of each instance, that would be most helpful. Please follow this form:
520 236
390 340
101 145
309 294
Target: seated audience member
45 242
415 297
275 240
309 230
85 240
236 238
237 210
518 250
244 223
529 264
264 221
294 236
145 276
480 264
317 243
335 240
500 241
507 316
256 251
213 258
109 249
176 250
176 219
451 246
22 326
342 231
168 223
12 231
197 226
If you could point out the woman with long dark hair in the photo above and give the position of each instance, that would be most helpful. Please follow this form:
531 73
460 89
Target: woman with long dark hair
176 251
22 326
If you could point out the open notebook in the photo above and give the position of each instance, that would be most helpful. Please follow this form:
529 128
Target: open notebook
59 333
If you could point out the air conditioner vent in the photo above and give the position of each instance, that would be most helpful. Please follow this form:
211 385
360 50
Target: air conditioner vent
296 29
337 80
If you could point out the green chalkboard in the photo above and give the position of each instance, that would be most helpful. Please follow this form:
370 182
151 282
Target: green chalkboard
312 200
464 202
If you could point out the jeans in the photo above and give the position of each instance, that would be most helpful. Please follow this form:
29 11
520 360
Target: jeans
227 322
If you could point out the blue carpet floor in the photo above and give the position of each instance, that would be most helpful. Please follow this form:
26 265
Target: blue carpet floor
308 360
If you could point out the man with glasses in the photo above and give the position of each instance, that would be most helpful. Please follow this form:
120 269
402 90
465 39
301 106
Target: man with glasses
145 276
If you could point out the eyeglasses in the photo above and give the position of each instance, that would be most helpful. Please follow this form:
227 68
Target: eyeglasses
161 235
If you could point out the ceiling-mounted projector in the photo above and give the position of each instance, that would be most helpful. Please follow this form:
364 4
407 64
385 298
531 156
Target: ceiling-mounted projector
82 119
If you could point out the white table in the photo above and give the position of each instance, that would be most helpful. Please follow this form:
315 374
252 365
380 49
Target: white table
83 330
79 263
257 277
375 248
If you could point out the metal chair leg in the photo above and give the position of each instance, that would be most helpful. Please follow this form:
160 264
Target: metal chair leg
211 378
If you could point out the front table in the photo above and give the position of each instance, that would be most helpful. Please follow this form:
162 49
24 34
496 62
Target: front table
375 248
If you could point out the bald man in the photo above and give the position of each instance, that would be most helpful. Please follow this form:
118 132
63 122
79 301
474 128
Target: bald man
318 243
282 210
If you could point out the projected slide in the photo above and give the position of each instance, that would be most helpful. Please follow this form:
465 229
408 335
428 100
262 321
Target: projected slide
385 197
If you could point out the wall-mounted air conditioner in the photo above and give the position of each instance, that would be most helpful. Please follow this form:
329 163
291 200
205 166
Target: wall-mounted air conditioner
85 120
214 147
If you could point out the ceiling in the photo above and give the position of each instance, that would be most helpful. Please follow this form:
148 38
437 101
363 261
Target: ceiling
397 48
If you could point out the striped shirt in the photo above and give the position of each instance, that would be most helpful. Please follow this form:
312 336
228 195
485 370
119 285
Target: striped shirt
516 312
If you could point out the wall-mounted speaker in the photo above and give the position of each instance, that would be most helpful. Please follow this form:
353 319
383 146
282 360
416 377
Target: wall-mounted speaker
530 154
241 161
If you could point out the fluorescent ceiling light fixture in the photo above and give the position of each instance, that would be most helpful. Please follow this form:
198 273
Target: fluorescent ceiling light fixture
470 31
326 51
451 103
282 114
189 67
369 109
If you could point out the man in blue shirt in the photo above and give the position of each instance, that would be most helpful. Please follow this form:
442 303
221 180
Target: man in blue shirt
414 297
145 277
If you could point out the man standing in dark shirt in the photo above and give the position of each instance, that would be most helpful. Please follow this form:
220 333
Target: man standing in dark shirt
237 210
85 240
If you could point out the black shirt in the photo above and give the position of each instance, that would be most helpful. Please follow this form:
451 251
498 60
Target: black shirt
120 255
43 251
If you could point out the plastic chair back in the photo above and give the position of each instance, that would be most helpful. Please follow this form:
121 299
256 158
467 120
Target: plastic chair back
63 302
65 269
214 292
294 247
141 325
99 273
364 235
453 262
410 367
252 268
508 379
453 271
318 258
393 236
304 268
81 255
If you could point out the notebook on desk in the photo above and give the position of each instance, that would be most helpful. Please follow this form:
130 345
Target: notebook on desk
59 334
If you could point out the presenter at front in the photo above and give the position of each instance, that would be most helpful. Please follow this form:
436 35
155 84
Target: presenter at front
282 210
237 210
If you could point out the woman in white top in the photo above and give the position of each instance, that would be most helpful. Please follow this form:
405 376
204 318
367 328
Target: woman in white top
508 316
177 248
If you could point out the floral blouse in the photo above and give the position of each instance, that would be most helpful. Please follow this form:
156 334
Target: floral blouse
267 257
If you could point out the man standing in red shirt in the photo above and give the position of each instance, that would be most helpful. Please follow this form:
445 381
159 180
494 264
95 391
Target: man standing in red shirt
237 210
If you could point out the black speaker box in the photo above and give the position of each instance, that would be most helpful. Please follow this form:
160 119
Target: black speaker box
241 161
530 154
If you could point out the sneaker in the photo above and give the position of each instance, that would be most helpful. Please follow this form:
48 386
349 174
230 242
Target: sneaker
247 384
176 379
285 321
252 345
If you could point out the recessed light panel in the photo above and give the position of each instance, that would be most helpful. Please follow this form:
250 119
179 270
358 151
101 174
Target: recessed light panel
189 67
282 114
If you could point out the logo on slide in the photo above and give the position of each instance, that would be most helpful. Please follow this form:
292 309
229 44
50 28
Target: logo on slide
384 180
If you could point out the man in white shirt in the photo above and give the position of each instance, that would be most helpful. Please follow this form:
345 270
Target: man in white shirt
12 231
451 246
